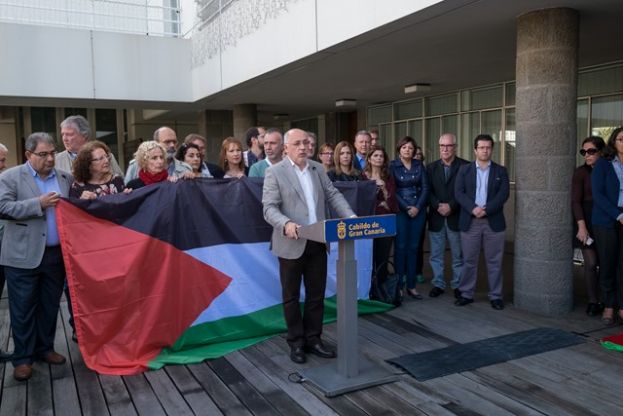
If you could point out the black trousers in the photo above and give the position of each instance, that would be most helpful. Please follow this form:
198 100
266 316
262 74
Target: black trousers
610 251
381 248
311 268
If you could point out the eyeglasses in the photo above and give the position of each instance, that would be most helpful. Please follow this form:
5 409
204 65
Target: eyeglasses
326 153
44 155
592 151
446 146
101 159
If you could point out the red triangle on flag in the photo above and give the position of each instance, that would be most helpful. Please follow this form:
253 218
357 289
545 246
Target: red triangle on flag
131 294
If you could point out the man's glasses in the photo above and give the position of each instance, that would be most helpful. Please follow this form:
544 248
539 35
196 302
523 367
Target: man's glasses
44 155
592 151
446 146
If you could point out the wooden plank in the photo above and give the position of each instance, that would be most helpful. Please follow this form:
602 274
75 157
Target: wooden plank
264 385
40 390
90 393
279 363
247 394
117 396
227 401
143 397
171 399
64 390
310 403
14 392
193 393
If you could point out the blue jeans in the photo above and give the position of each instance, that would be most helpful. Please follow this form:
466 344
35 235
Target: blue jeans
34 296
408 233
437 254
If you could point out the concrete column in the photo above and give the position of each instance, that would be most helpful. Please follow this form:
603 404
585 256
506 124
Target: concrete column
547 51
215 125
245 116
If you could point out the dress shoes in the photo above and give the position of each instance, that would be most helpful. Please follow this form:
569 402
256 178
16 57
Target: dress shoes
320 350
53 358
461 301
414 294
435 292
22 372
297 355
457 293
497 304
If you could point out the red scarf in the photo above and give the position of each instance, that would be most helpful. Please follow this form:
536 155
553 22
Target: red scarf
149 178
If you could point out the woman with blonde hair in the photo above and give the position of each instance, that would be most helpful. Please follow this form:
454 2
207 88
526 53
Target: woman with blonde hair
151 158
231 159
343 163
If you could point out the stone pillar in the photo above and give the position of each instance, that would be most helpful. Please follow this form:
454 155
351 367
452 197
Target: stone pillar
245 116
547 53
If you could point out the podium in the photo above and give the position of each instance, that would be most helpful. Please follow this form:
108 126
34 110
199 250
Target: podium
350 371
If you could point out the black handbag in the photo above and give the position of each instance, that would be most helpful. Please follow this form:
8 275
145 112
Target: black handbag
391 290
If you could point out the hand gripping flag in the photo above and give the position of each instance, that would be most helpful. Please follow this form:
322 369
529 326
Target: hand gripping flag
179 273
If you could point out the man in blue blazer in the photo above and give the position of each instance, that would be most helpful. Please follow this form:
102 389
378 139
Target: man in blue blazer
31 252
482 189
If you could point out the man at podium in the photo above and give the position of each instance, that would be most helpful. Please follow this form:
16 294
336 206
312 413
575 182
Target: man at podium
298 192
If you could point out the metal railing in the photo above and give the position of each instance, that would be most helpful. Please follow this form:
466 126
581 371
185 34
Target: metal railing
126 16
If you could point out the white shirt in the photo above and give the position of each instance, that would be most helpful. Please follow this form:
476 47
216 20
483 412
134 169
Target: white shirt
304 177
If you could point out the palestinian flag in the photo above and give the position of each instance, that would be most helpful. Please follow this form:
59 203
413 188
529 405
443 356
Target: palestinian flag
179 273
613 342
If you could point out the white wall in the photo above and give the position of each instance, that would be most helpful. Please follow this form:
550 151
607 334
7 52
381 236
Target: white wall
52 62
305 28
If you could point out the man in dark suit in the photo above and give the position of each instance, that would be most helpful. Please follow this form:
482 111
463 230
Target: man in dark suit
31 252
297 192
443 215
362 145
482 189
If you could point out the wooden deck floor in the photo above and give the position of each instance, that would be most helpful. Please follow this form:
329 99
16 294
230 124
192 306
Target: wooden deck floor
580 380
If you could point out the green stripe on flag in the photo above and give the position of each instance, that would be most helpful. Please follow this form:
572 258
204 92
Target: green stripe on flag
215 339
612 346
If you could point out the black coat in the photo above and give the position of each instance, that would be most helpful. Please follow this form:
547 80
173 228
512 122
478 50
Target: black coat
442 191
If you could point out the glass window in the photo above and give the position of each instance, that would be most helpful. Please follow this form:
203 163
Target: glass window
442 104
491 123
43 119
470 127
601 81
480 98
387 137
74 111
582 127
401 129
106 123
431 144
606 115
408 109
510 93
415 130
378 115
509 143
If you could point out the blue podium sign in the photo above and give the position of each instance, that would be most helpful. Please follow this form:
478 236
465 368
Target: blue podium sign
360 228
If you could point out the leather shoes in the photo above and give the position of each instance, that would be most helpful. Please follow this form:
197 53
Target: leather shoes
435 292
497 304
594 309
457 293
22 372
461 301
320 350
54 358
297 354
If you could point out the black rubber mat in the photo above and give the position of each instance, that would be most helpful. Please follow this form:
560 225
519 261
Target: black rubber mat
466 357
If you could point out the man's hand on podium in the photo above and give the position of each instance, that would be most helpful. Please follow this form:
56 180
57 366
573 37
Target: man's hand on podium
292 230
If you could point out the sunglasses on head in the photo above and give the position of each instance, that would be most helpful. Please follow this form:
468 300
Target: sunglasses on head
590 152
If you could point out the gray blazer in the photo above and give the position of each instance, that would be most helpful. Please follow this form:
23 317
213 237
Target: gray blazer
23 243
284 201
62 161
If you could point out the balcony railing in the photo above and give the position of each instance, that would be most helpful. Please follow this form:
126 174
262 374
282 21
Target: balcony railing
127 16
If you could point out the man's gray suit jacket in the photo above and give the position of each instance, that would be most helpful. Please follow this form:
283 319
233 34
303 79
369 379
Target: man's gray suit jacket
283 200
24 238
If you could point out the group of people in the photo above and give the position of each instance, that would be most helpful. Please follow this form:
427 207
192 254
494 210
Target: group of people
597 204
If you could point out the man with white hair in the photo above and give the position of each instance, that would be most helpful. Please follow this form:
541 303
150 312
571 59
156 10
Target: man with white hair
75 132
